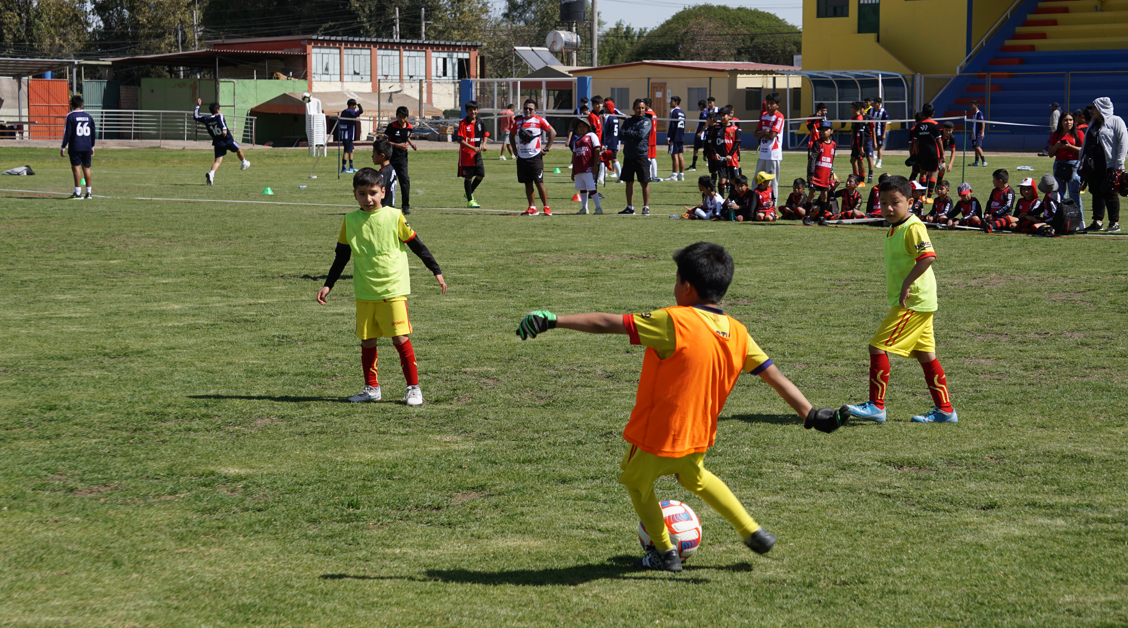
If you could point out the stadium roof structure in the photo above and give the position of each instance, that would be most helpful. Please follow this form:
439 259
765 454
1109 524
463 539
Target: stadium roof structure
707 66
343 39
30 67
204 58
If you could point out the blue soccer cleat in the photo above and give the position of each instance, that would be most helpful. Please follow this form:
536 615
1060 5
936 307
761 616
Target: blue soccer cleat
936 415
868 411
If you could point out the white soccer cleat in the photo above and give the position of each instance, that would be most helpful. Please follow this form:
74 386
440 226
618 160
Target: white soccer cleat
210 177
878 164
370 393
246 164
413 396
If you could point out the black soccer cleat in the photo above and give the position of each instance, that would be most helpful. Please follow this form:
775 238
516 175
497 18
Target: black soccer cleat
662 561
627 212
761 541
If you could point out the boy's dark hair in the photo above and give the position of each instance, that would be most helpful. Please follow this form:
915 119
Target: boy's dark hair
597 100
896 183
636 101
725 111
530 101
772 98
856 178
214 108
76 101
707 267
820 106
882 178
975 102
583 100
948 125
878 101
800 181
741 179
707 181
584 109
366 177
702 103
943 183
471 104
382 146
928 110
649 103
351 103
1002 175
676 100
401 111
711 99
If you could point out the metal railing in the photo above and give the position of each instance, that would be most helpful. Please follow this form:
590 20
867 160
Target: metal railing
131 124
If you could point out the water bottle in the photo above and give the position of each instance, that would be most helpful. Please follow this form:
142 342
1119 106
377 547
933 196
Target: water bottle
302 187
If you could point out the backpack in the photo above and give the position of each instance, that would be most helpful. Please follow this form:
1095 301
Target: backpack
1068 218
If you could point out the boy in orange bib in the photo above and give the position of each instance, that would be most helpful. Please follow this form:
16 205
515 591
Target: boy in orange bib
694 355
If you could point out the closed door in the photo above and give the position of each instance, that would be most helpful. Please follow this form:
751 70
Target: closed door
660 97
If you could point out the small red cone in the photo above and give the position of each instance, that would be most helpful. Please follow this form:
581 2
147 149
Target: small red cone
576 197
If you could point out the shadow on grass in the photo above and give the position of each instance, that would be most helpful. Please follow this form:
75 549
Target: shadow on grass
615 568
280 399
774 419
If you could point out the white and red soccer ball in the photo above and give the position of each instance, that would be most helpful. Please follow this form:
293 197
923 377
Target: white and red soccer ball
682 524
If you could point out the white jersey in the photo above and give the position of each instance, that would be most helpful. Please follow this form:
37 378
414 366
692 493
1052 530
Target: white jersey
536 127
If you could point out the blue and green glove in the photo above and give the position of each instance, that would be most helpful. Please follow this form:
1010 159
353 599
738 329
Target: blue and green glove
536 323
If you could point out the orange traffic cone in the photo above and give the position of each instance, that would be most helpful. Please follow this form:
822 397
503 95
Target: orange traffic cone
576 197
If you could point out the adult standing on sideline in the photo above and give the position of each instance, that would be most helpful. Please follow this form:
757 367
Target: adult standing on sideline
1055 117
398 133
978 130
1065 148
532 137
504 126
635 134
1102 163
771 142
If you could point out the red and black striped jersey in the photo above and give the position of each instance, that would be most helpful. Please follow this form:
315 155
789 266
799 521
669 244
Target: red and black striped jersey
850 200
967 209
941 206
1031 208
1000 202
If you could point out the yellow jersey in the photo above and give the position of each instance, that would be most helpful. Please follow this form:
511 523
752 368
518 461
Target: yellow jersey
378 240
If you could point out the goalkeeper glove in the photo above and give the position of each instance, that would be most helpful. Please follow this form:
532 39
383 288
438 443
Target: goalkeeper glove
825 419
536 323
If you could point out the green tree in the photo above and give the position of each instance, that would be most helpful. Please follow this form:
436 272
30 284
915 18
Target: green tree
720 33
617 44
43 27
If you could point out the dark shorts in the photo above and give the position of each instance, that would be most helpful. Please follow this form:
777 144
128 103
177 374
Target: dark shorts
927 162
880 142
727 173
80 158
867 149
676 148
857 152
636 167
530 170
476 170
977 142
347 146
231 146
698 143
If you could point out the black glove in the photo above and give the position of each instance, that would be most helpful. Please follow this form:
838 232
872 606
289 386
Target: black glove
536 323
825 419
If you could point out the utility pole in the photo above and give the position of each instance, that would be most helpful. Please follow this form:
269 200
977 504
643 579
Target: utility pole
179 47
423 24
395 32
594 33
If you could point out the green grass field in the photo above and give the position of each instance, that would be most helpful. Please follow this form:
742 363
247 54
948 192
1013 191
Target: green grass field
176 449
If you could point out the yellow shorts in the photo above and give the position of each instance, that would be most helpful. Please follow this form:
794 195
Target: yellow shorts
382 319
641 469
905 331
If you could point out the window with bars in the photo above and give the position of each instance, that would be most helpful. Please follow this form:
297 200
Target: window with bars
358 65
833 8
869 16
444 65
414 65
326 64
388 65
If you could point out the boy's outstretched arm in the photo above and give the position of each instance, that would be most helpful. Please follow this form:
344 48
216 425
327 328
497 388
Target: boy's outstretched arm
423 253
822 419
593 323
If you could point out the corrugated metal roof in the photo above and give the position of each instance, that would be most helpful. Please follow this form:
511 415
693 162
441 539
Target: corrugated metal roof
204 58
709 66
340 38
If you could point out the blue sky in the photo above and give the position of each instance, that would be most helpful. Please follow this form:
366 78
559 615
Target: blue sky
632 11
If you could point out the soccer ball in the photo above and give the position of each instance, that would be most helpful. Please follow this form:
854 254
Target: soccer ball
682 524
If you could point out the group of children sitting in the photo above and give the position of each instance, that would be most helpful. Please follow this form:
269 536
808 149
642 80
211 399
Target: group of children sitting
813 203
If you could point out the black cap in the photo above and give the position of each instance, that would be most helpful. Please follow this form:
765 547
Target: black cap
1054 105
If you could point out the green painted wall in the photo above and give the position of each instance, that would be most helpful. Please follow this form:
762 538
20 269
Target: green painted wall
236 97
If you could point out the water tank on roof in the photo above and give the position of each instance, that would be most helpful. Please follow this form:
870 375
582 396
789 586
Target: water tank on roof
562 41
572 10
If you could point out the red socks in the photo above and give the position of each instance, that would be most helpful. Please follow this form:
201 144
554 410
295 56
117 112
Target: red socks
368 361
879 378
407 361
937 385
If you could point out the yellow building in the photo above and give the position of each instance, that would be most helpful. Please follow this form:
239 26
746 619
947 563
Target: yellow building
742 85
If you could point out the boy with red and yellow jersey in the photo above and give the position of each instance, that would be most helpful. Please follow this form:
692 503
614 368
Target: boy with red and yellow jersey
377 239
911 291
694 355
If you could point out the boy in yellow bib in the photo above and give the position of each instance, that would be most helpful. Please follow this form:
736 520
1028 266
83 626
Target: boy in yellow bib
377 239
911 290
694 355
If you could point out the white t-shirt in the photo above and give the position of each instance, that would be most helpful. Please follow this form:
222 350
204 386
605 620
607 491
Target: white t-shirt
536 125
772 149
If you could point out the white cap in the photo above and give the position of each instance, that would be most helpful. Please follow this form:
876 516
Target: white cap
918 186
1028 182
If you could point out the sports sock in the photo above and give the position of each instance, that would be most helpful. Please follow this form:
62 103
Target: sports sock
90 190
466 186
407 361
343 162
694 164
584 199
78 189
368 361
350 163
713 491
597 203
474 185
937 384
879 378
618 170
